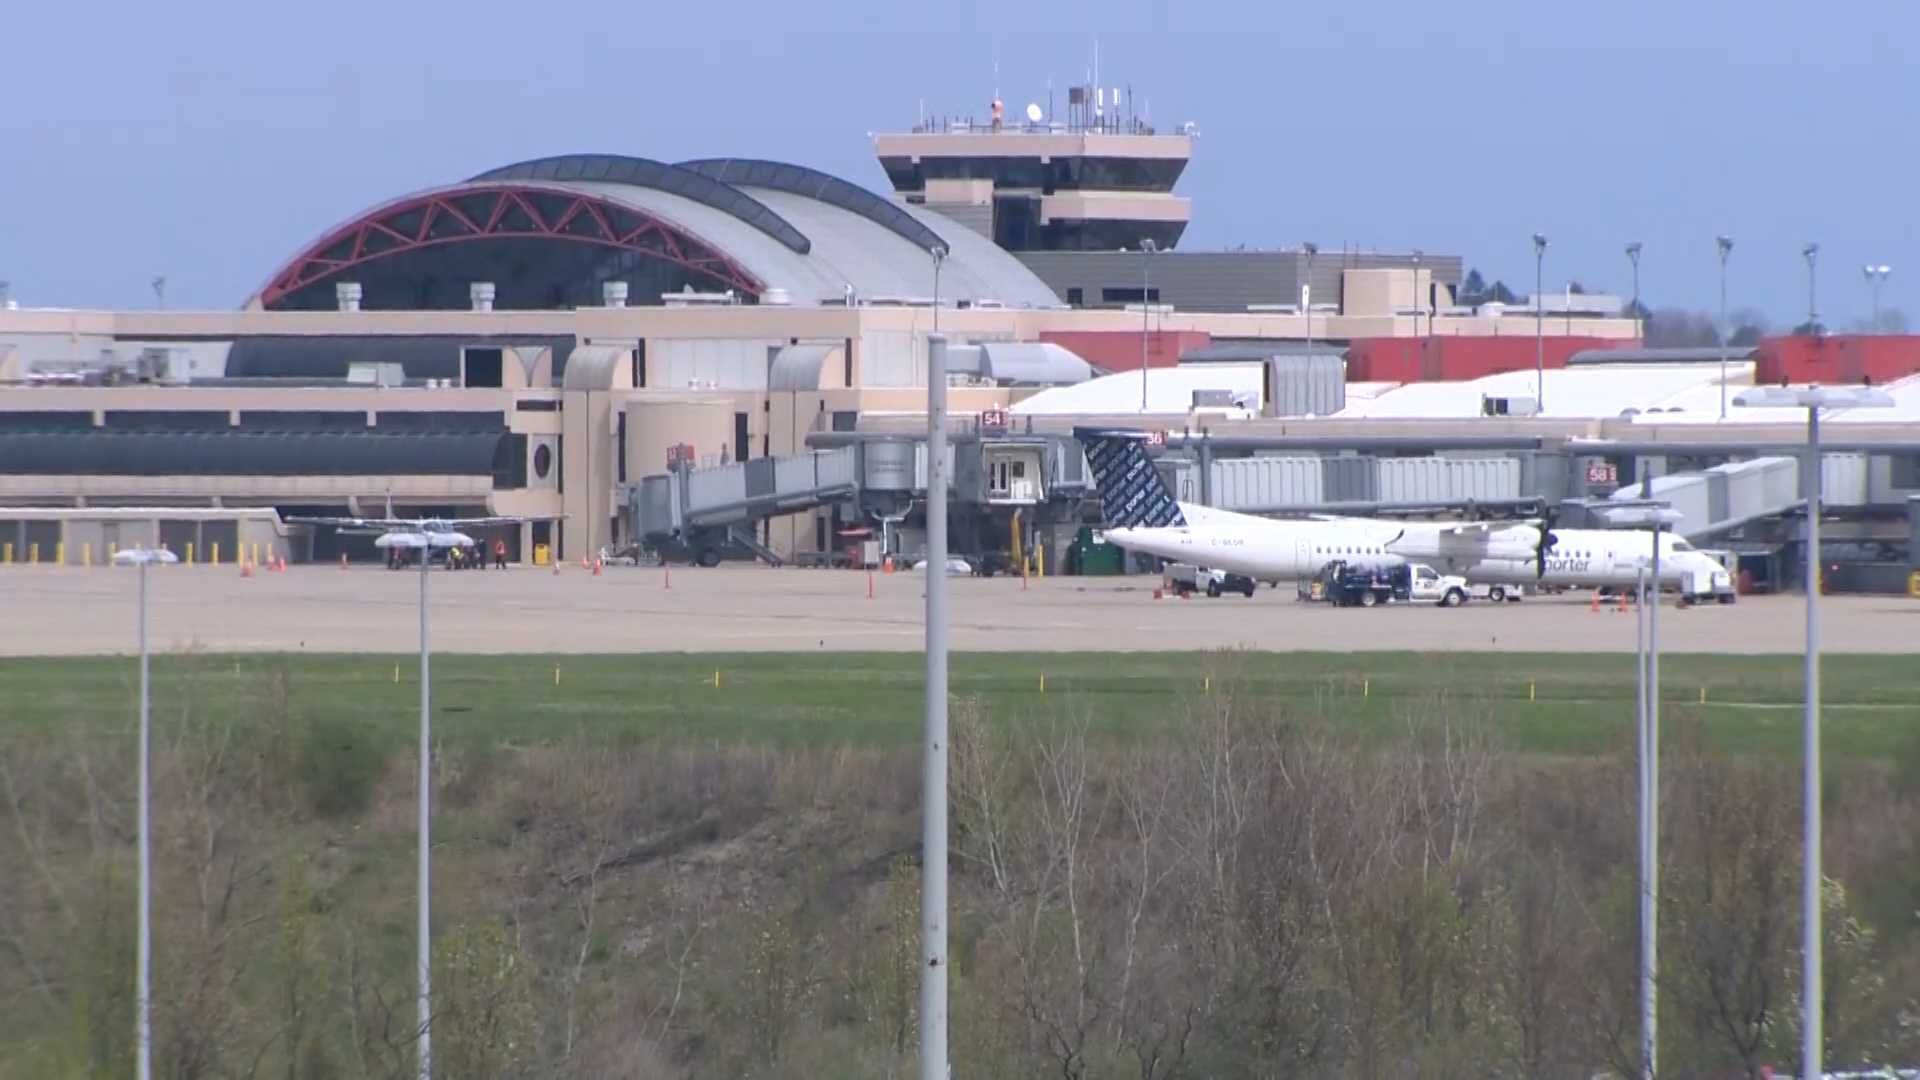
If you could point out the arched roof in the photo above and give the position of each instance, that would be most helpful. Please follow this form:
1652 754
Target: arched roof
647 173
814 184
550 230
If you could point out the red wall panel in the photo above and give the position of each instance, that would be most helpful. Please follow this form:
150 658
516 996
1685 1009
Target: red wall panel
1119 350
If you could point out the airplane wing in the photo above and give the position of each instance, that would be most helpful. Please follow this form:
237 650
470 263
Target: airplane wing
366 524
1467 528
485 522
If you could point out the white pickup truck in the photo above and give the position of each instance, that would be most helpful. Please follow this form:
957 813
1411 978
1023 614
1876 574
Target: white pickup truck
1432 587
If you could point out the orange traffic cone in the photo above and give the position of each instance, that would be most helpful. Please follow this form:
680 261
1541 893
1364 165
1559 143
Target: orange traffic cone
1622 609
246 568
343 560
1157 595
596 568
1594 608
886 565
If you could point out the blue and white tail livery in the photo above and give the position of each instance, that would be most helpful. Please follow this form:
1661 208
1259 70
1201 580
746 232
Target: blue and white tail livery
1132 494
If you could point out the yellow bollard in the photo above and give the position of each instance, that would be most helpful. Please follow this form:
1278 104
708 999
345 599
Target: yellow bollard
1208 684
396 673
1043 683
86 554
112 550
213 555
256 554
189 553
60 553
716 678
33 554
1703 695
1366 688
1530 690
9 554
556 674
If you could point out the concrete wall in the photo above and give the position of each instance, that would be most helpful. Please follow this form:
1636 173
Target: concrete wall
89 537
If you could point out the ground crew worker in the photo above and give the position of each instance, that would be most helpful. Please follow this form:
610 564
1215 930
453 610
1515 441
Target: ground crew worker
499 554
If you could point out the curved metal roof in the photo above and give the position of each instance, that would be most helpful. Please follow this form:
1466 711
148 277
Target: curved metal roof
766 228
814 184
645 172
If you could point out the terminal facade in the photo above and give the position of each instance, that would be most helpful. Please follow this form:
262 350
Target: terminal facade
543 337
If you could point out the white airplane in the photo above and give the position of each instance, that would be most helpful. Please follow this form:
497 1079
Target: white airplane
412 533
1509 553
1142 515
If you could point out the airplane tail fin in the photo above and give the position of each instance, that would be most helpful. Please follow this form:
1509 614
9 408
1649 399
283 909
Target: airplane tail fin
1132 495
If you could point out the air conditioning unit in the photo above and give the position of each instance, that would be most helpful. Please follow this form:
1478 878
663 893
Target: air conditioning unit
1509 406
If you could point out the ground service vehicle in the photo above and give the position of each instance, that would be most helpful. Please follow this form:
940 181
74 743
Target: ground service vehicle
1185 579
1428 584
1352 585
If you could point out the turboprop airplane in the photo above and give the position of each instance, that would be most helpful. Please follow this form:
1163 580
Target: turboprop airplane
1140 514
411 533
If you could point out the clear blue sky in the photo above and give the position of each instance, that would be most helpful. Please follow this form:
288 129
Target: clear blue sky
208 140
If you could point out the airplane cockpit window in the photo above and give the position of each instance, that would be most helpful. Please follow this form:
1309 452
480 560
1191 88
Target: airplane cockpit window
1681 545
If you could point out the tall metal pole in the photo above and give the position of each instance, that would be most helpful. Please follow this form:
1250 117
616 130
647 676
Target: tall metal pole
1725 245
933 782
1642 778
1633 256
1876 276
143 962
1539 325
1147 248
1811 251
1306 293
1811 989
424 1005
1650 823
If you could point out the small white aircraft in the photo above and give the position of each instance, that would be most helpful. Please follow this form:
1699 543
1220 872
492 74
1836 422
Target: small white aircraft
414 533
1142 515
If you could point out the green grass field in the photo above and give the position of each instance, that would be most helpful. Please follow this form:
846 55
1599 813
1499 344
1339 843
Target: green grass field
1543 703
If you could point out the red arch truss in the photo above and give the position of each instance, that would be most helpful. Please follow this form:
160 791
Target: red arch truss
493 211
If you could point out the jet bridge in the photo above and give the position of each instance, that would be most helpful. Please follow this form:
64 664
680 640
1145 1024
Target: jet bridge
872 480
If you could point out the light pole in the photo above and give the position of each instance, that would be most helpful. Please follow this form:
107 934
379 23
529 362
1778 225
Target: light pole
424 541
1647 737
1810 251
1725 245
1813 399
1876 276
1633 256
1306 292
933 780
1416 294
143 957
939 255
1147 248
1539 325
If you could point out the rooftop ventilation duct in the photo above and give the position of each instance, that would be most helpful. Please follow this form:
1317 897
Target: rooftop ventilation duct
614 293
481 293
347 295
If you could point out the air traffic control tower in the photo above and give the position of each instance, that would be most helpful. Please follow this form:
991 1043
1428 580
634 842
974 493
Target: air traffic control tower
1100 179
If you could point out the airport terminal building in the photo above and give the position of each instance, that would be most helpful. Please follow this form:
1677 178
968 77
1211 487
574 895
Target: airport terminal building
625 348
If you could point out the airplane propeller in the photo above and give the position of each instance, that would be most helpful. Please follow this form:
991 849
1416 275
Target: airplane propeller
1545 544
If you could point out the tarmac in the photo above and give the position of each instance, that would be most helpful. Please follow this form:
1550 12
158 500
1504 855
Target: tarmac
48 611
